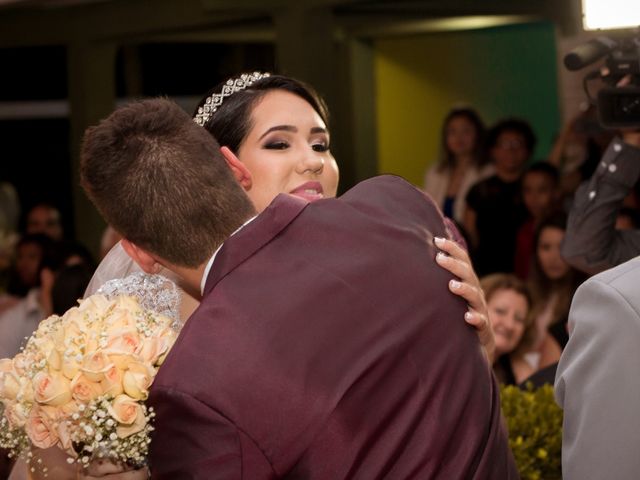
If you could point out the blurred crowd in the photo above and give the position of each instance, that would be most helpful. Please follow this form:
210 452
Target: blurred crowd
513 209
41 270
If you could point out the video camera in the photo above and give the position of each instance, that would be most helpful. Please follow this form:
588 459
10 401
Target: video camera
618 103
618 106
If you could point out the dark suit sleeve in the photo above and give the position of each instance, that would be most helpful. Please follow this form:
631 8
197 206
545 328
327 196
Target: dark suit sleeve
193 441
591 242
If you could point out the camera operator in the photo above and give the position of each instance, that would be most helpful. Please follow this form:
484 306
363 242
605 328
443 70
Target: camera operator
592 243
597 382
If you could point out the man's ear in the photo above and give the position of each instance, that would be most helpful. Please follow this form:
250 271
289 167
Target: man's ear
144 259
240 171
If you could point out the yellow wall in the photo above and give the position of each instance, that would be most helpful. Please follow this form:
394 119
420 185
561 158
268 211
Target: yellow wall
500 71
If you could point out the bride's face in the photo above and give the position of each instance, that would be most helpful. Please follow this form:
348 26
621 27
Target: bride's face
287 151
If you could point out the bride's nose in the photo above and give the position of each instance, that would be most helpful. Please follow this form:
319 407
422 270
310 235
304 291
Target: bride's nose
311 163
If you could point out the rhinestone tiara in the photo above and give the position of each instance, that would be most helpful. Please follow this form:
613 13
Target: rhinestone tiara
233 85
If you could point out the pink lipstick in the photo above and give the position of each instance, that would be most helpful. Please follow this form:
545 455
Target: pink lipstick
310 191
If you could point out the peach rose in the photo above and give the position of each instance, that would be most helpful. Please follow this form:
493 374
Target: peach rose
95 365
51 389
112 382
69 408
83 389
16 414
129 415
137 379
6 365
41 426
64 436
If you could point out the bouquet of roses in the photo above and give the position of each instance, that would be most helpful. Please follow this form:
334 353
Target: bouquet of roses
81 381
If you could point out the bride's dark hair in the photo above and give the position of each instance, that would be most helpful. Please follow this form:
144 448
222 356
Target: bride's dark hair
231 122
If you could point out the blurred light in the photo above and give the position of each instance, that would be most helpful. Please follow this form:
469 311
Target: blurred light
610 14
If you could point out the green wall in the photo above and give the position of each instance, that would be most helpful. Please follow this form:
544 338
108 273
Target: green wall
500 71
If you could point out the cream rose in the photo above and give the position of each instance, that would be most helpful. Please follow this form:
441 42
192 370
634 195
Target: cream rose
21 363
51 389
95 304
123 342
128 303
9 385
71 363
41 426
119 320
44 346
75 332
137 379
95 365
55 359
122 360
112 382
129 415
25 394
83 389
151 349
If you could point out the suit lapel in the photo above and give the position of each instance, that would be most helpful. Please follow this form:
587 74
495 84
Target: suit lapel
252 237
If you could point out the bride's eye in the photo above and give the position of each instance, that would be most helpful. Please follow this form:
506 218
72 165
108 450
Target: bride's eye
277 145
320 147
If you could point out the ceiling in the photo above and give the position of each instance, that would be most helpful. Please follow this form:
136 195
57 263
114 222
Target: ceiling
38 22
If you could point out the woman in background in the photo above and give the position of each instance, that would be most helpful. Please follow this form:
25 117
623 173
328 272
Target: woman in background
509 305
462 162
553 283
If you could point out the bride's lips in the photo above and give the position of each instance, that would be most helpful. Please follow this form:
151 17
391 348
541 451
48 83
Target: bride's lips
310 191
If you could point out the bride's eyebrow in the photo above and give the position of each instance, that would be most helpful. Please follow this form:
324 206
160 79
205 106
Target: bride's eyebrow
285 128
319 130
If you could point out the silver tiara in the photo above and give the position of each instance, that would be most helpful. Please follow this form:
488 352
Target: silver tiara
232 86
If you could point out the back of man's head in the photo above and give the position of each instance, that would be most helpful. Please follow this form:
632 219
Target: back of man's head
161 181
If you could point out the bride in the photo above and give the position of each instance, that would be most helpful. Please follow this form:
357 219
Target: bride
278 127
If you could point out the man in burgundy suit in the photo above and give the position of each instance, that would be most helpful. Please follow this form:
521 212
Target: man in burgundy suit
326 345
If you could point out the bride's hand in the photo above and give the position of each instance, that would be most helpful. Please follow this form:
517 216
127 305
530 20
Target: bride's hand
106 470
456 260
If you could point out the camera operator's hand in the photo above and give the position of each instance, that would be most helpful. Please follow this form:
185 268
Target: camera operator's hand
631 137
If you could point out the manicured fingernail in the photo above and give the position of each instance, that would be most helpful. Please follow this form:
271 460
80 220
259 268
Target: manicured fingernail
468 316
439 241
441 256
455 284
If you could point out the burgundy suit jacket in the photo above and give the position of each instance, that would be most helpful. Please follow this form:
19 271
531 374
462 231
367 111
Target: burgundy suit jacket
327 346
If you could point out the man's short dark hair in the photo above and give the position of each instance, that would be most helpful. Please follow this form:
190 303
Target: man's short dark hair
160 180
